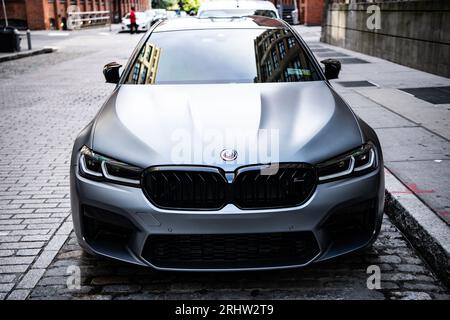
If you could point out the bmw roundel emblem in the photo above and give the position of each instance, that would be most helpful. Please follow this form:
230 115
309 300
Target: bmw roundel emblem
228 154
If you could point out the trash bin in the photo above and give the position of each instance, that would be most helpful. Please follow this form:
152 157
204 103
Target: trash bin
9 40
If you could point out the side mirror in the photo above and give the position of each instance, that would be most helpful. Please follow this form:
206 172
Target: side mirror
332 68
111 72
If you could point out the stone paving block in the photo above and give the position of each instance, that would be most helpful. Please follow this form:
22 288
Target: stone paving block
5 278
28 252
13 268
10 238
56 242
30 232
22 245
65 229
5 287
45 259
37 238
30 279
19 294
15 260
11 227
6 253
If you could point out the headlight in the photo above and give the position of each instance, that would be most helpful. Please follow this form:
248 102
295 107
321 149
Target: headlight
357 162
97 167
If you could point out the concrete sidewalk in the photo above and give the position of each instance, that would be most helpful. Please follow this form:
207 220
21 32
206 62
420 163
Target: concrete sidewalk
410 111
47 41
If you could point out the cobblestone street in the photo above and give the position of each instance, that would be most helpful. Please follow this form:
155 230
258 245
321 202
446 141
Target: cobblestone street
403 276
44 102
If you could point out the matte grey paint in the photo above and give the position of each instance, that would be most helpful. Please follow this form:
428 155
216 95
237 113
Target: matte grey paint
309 116
135 126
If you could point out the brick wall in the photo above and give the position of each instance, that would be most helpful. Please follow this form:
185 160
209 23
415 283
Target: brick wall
15 10
36 14
313 12
310 12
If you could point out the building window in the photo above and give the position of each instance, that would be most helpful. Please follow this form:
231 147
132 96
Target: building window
148 53
275 59
135 75
269 68
282 49
144 75
297 64
291 42
287 77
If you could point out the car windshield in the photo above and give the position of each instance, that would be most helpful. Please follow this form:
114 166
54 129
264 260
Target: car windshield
222 56
237 13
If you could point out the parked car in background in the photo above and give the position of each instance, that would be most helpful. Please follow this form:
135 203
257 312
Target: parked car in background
143 21
159 14
237 9
172 14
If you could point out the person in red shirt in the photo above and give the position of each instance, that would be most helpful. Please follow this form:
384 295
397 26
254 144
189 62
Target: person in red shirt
133 25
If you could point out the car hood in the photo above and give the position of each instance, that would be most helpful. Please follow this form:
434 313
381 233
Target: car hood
149 125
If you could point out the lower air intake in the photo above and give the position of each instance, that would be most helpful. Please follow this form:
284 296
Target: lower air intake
230 251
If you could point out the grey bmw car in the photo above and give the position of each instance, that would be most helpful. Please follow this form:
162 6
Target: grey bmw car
224 147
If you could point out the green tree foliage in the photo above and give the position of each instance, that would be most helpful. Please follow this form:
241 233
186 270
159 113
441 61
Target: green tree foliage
189 5
163 4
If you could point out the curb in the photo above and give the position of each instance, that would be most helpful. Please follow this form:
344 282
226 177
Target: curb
429 235
24 54
30 278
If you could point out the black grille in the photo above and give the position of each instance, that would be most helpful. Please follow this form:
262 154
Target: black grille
291 185
206 188
175 188
230 250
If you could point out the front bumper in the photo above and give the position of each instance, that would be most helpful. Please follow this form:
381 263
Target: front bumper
143 220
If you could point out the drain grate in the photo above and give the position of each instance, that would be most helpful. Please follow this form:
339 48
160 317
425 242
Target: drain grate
332 54
352 60
355 84
322 50
434 95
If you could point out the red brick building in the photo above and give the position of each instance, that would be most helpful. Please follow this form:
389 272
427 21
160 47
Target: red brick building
52 14
309 12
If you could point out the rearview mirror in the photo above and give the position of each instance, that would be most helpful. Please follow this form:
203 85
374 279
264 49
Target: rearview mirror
111 72
332 68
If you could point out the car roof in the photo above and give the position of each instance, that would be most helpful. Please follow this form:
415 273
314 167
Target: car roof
248 4
195 23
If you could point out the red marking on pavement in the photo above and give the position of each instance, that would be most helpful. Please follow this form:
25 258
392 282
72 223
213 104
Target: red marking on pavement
445 213
413 188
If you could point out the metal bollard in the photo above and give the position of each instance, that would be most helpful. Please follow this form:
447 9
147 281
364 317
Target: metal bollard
29 39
